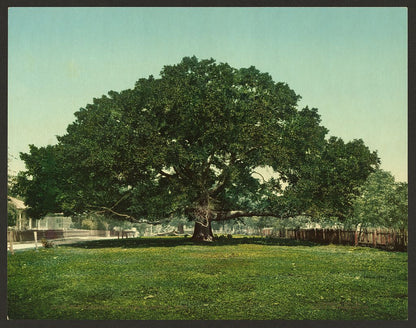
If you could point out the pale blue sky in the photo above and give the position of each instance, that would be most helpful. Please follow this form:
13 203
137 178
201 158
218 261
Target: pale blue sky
350 63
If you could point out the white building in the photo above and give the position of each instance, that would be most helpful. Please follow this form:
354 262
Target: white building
22 222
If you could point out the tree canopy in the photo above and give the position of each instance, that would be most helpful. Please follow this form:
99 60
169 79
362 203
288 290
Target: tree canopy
193 143
382 202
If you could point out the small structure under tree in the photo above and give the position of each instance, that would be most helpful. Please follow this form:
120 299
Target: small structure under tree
22 220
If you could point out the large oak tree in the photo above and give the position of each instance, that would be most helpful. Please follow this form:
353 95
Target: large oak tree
195 142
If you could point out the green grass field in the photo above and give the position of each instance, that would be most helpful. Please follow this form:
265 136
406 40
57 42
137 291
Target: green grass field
171 278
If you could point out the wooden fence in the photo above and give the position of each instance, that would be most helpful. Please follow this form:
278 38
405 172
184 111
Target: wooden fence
379 238
28 235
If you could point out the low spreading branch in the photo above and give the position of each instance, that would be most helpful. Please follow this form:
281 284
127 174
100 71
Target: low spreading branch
167 175
223 216
128 217
104 209
264 180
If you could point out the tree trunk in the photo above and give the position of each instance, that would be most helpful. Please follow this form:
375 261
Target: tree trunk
203 232
180 228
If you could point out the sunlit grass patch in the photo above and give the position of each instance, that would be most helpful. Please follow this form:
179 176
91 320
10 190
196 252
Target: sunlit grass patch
171 278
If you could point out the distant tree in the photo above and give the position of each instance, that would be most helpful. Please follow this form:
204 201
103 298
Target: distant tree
11 178
12 215
11 209
295 223
192 143
40 183
383 202
258 223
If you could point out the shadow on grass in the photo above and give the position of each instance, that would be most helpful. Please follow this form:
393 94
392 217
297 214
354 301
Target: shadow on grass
182 241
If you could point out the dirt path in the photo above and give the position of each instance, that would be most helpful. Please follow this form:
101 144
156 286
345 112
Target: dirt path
31 245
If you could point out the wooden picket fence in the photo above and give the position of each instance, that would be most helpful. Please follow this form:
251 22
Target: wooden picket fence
379 238
51 234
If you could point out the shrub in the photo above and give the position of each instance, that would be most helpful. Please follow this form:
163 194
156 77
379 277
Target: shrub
11 215
46 243
89 223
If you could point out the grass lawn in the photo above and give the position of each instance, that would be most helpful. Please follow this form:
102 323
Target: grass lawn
172 278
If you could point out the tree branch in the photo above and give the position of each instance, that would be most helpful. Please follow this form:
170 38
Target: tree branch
127 216
225 177
223 216
122 198
179 173
166 174
264 180
207 166
225 173
107 209
248 152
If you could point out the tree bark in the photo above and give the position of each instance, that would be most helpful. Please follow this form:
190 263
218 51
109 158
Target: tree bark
203 231
180 228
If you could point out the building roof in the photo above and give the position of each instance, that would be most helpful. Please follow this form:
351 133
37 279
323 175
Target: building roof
19 204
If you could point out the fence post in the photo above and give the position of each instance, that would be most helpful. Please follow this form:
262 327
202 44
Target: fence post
11 241
35 236
405 237
355 238
375 238
339 236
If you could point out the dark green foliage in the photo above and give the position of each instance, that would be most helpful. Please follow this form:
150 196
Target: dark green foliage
41 183
12 215
383 202
47 243
328 186
191 143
